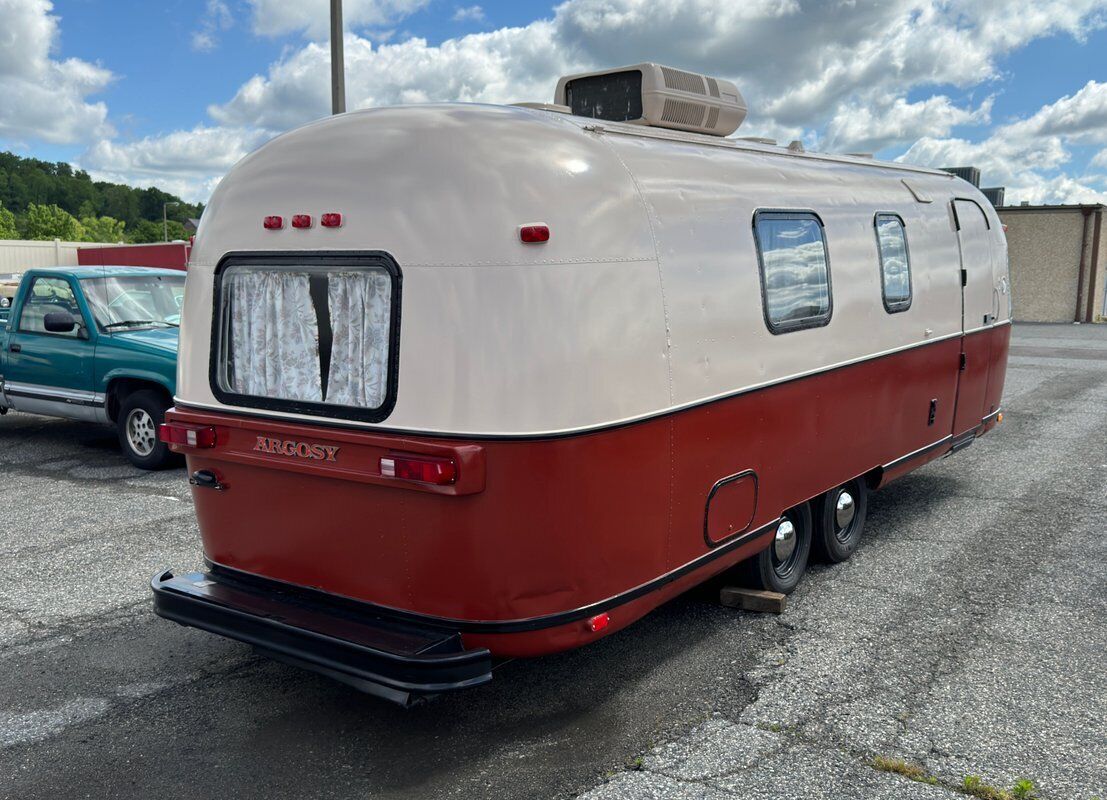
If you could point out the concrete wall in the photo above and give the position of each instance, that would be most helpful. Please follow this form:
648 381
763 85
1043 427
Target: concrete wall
1044 245
18 255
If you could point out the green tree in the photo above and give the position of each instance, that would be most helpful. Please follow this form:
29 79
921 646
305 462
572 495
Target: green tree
51 222
102 229
7 224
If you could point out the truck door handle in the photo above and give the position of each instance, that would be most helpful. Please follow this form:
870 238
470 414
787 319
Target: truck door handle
15 348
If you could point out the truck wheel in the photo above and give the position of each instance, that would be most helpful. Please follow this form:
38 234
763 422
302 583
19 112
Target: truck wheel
841 520
139 416
780 566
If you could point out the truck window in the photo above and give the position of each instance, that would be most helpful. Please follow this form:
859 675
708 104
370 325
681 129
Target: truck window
130 302
795 271
895 262
45 296
322 335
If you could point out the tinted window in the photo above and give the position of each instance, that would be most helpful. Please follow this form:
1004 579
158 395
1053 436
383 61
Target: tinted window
795 274
617 97
48 295
895 264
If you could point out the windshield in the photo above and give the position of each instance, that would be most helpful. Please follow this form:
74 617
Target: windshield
122 302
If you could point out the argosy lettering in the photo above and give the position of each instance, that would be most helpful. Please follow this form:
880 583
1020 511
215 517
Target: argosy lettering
288 447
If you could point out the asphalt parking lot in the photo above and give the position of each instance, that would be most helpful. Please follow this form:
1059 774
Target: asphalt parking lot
968 636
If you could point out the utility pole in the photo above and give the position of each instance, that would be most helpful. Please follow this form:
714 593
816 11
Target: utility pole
338 66
165 218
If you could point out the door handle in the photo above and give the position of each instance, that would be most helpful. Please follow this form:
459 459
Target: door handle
15 348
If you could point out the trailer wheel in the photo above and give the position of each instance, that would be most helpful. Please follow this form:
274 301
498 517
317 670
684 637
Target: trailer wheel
780 566
841 520
140 414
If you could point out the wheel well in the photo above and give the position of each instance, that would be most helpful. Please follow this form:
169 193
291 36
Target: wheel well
119 388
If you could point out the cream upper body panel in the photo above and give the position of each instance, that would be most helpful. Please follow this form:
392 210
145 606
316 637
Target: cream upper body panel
647 296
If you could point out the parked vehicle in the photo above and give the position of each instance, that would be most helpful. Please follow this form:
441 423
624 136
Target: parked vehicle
462 381
96 344
7 294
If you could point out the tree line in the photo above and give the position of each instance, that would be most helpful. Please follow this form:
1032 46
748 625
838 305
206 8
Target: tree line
47 200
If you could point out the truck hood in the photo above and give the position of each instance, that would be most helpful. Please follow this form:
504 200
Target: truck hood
163 339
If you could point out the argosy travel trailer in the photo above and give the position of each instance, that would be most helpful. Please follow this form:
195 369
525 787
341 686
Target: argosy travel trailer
467 382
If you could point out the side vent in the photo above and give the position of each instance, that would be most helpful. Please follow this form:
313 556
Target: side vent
683 81
655 95
682 113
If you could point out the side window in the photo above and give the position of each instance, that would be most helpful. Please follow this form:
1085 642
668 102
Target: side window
795 271
895 263
47 295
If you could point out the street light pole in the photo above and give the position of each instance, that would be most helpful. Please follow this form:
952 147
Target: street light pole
165 218
338 65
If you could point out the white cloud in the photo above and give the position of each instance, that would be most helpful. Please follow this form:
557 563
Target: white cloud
1100 159
312 17
469 14
834 74
886 122
216 19
188 163
42 98
1021 153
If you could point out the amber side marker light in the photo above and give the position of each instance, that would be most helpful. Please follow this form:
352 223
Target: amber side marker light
999 418
172 433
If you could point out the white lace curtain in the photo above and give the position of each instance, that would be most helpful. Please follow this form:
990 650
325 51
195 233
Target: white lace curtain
274 336
361 311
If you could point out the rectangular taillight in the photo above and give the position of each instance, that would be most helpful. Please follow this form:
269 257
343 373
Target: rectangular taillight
423 469
187 435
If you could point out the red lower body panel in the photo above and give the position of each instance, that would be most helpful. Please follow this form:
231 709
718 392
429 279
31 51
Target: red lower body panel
537 535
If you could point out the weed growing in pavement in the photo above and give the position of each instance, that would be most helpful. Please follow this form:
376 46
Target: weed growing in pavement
975 787
900 767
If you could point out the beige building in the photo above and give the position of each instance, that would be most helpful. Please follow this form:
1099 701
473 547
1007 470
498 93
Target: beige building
1058 262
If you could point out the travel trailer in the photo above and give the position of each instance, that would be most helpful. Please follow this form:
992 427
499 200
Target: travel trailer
461 383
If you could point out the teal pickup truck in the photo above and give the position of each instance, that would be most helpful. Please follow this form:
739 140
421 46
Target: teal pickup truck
96 344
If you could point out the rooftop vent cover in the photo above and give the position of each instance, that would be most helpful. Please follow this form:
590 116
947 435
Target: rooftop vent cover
650 94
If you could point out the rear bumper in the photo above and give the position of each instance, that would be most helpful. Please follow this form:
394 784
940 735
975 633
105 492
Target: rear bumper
397 661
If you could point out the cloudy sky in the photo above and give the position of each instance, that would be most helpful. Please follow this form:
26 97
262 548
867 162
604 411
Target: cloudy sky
172 93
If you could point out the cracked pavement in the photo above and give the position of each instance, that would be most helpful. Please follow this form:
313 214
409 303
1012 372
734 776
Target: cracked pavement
967 635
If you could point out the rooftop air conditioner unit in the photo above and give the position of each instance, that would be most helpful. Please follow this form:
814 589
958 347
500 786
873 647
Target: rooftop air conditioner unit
650 94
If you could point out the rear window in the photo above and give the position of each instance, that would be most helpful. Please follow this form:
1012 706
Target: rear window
311 335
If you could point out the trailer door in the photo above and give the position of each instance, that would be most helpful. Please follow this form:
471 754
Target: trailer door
977 314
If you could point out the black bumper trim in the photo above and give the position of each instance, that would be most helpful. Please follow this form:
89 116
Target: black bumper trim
399 662
526 624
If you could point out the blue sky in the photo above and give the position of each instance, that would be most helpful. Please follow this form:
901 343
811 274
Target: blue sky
171 93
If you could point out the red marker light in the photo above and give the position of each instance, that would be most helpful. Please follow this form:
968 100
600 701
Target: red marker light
301 220
534 234
598 622
423 469
331 219
174 433
273 223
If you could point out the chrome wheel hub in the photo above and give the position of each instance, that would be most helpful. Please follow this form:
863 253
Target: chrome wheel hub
784 543
142 435
845 509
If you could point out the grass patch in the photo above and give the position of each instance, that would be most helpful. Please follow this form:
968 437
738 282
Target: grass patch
972 785
1023 789
899 767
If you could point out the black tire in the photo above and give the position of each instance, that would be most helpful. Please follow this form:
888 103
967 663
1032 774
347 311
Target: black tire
144 411
767 570
838 534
